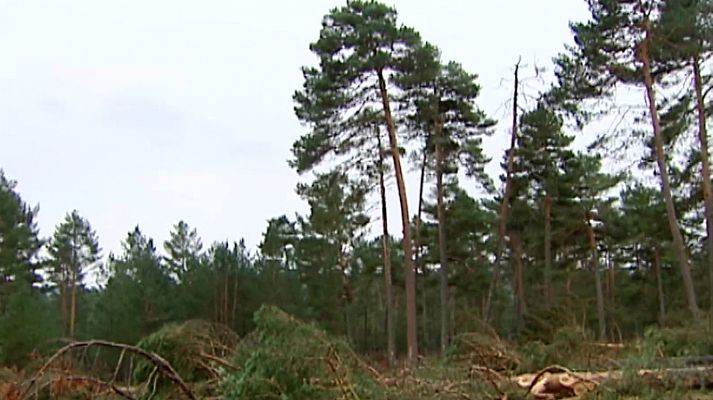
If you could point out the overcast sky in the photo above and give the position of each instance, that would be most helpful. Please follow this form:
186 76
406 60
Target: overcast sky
150 111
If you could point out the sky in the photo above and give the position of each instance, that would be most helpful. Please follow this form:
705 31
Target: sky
145 112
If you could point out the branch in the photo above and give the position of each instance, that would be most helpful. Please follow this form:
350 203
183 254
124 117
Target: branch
163 365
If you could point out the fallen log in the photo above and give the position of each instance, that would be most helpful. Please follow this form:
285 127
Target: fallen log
557 382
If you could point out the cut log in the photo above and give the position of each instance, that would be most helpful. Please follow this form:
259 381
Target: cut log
557 382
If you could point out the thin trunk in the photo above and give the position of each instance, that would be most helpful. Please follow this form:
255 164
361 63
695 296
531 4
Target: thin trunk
441 212
73 311
226 301
417 246
409 273
548 251
235 298
611 280
73 284
594 265
520 305
706 172
504 205
659 286
678 243
64 303
386 246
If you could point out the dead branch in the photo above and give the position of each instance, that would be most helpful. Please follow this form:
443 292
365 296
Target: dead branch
161 364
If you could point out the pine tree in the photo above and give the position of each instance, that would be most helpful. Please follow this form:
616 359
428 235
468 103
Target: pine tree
361 50
74 251
452 127
183 250
24 318
327 238
618 46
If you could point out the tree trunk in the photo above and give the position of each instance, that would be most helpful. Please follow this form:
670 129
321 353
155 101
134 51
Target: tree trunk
73 311
678 243
443 257
548 252
611 280
409 273
520 304
706 172
234 312
504 205
417 246
386 246
594 264
659 286
64 303
73 275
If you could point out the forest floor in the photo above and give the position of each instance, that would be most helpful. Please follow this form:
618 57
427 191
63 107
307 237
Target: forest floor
285 358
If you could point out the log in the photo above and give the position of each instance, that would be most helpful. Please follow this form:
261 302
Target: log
556 382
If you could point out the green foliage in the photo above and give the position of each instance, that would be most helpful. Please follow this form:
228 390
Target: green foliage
296 360
197 350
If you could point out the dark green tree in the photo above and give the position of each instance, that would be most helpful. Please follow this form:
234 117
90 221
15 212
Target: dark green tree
362 49
25 320
444 113
74 251
618 46
326 241
183 250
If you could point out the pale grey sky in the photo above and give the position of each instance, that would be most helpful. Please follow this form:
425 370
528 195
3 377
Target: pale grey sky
150 111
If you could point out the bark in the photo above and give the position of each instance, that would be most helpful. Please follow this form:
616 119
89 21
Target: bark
409 273
386 246
417 244
556 382
706 172
64 302
73 273
611 280
441 212
520 304
548 252
678 243
504 205
594 265
659 286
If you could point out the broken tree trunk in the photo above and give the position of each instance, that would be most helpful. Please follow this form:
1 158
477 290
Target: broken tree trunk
559 382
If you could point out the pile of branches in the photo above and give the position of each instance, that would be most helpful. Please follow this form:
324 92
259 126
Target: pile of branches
184 360
296 360
198 350
55 379
482 350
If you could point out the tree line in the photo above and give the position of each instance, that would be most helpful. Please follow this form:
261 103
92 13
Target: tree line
562 240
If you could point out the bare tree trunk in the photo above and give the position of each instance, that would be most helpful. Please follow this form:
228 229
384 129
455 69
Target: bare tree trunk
548 252
594 264
504 205
409 273
73 310
235 298
73 275
706 172
417 245
678 243
443 257
611 280
386 246
659 286
520 304
64 303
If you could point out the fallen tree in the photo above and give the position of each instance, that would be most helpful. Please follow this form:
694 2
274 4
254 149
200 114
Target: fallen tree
557 382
